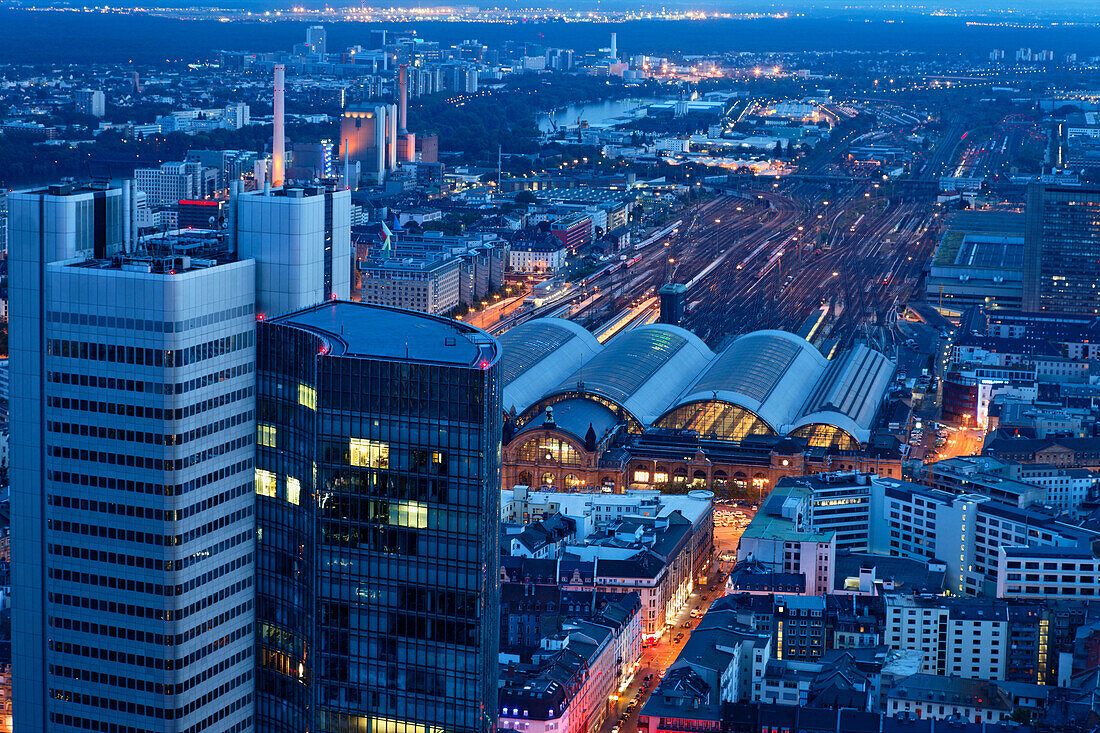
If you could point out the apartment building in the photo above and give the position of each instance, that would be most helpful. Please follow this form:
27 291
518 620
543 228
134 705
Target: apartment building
173 182
782 538
1049 572
966 532
642 541
967 638
935 697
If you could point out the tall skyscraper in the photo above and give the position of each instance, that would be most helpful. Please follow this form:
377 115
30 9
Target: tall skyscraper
170 485
377 478
316 39
300 237
1062 249
132 466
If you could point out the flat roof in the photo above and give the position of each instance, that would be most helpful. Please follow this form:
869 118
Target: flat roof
380 332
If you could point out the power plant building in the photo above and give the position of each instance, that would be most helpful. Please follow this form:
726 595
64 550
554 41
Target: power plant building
375 138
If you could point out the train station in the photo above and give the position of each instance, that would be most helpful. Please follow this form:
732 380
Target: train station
655 406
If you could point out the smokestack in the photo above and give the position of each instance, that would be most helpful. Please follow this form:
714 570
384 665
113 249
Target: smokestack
380 128
347 168
403 97
391 138
278 140
615 46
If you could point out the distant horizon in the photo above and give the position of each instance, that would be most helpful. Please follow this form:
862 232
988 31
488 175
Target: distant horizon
33 37
1021 8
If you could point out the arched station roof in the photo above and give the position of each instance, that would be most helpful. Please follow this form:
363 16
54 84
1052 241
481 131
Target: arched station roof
538 355
849 393
775 381
769 373
641 370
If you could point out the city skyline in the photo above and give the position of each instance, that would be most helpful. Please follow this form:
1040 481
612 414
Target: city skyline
545 370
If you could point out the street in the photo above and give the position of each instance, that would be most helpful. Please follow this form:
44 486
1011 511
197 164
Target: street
729 523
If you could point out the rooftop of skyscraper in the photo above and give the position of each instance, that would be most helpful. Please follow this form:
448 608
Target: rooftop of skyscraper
361 329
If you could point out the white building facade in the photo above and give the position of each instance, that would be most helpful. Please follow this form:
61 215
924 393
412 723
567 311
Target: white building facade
300 238
132 480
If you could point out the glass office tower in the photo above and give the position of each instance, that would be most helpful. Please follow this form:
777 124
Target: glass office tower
378 518
1062 249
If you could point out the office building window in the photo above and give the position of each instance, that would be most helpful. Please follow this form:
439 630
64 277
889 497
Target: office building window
265 483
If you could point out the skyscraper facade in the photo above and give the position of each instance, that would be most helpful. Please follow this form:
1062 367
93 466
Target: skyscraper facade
377 486
300 238
132 503
205 538
56 223
1062 249
316 39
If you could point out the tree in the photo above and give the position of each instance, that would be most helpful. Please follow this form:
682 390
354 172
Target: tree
526 198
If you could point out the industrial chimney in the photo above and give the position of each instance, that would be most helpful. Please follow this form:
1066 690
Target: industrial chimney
403 97
278 139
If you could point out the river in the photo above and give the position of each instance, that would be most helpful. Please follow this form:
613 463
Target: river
597 113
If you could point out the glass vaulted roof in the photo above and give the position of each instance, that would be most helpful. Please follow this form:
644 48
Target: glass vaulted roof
538 354
770 373
642 369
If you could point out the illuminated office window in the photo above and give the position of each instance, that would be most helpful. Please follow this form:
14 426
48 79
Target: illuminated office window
265 483
372 453
266 435
409 514
307 396
293 490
